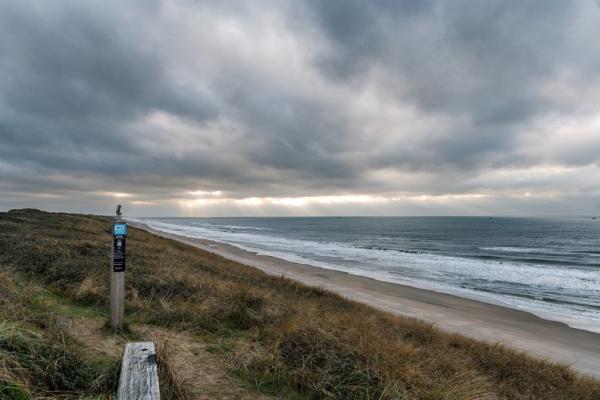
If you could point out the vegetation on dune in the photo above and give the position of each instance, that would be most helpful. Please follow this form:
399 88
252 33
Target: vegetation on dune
277 335
37 356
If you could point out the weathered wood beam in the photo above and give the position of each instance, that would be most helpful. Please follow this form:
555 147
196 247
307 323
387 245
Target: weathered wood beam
139 374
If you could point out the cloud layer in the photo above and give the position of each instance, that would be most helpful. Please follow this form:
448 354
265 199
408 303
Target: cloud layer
317 107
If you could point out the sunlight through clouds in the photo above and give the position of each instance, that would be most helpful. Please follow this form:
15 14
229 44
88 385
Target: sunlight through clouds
318 108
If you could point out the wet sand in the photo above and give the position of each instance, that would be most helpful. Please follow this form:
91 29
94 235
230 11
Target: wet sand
521 330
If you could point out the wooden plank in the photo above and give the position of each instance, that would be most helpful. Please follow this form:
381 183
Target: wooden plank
139 374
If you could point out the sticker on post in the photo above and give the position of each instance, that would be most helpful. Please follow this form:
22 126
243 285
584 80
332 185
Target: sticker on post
120 229
119 254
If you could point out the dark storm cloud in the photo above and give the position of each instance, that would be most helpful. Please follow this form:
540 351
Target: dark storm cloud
72 77
447 51
157 99
479 60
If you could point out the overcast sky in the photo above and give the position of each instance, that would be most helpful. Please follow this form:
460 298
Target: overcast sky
214 108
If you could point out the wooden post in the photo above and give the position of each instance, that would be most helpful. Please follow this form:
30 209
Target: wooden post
117 297
139 373
117 275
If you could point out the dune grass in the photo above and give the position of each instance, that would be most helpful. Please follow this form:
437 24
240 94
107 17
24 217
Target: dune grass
38 358
276 335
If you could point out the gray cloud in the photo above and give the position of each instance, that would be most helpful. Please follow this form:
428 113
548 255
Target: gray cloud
480 61
285 99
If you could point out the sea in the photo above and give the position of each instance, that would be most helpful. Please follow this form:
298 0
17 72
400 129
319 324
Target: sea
547 266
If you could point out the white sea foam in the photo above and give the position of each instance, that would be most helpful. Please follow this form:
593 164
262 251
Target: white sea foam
506 249
542 289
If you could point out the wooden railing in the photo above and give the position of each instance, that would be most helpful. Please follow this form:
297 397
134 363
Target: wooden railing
139 374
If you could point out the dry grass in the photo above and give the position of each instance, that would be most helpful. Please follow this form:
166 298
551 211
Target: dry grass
38 359
279 336
171 387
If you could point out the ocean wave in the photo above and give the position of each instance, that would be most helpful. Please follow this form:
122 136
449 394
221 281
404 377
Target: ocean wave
210 225
508 249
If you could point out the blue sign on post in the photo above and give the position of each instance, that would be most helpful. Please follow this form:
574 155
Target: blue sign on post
119 235
120 229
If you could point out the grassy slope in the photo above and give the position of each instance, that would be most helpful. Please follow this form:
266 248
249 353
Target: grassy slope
276 335
37 358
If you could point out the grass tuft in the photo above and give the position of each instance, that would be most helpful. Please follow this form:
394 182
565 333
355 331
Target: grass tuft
171 386
38 358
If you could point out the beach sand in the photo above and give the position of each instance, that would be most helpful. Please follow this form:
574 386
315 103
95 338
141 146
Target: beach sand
521 330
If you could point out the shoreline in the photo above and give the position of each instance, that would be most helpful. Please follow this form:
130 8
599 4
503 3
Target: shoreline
521 330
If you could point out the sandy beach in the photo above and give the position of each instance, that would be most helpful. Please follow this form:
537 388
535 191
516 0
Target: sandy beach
518 329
